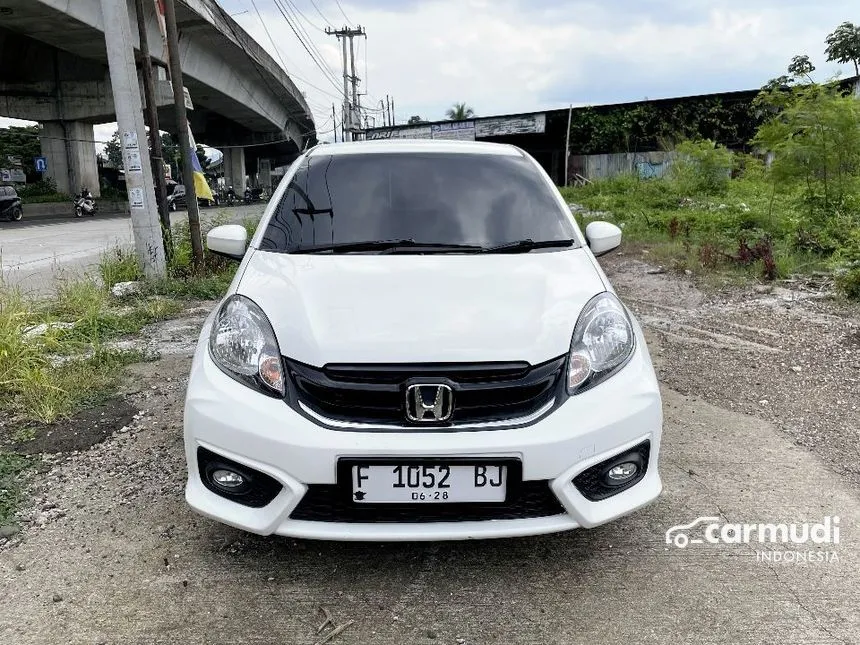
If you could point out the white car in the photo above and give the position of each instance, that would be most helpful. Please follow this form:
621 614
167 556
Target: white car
420 345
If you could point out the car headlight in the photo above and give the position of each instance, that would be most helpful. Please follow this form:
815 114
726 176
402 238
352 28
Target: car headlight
602 342
242 343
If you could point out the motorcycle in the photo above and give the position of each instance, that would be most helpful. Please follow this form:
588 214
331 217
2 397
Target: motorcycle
230 197
85 204
253 195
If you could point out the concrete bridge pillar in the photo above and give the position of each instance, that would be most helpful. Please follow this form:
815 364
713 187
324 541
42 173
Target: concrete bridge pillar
264 174
68 146
234 169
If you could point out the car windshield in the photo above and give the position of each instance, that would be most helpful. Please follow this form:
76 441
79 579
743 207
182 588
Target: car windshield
441 200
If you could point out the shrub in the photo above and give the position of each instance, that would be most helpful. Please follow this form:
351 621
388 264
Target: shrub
702 167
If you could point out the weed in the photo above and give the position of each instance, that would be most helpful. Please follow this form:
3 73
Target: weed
119 265
12 467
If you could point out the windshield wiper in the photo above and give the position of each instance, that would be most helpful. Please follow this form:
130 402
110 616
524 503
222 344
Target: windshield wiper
387 245
524 246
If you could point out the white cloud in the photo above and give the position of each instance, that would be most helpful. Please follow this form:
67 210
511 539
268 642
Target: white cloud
520 55
510 56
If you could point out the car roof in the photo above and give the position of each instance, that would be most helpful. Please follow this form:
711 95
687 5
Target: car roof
400 146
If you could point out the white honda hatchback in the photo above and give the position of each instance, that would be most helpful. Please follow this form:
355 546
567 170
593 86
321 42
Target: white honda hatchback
420 345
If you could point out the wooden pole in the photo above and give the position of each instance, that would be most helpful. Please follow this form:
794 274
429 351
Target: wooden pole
182 125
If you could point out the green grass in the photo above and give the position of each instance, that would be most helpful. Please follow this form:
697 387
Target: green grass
706 233
12 473
51 376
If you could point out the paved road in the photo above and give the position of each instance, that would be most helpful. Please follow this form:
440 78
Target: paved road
33 252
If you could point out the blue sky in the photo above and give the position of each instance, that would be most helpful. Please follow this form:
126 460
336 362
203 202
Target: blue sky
519 55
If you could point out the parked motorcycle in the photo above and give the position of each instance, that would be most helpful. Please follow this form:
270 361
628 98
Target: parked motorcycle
85 204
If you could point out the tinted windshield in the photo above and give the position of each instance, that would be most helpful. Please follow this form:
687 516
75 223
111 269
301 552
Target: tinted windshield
458 199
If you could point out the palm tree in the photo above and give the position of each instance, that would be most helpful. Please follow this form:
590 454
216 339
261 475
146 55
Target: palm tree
459 112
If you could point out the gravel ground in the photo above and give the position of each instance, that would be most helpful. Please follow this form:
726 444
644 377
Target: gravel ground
786 353
110 553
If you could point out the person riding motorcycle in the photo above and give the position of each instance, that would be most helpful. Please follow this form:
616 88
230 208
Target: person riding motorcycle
85 203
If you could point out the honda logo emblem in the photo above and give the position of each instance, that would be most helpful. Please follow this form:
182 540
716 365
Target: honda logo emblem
429 403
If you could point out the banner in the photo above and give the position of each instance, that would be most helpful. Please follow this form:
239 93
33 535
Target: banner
159 14
201 186
162 27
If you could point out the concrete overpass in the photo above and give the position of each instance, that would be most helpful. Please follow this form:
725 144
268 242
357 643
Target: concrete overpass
54 69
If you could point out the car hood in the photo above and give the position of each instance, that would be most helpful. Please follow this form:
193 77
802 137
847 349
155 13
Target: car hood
422 308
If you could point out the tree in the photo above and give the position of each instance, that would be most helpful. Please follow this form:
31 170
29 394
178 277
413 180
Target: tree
459 112
843 45
113 151
20 143
170 150
414 120
801 66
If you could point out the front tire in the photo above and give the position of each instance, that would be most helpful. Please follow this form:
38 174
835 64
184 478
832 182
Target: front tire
17 214
78 211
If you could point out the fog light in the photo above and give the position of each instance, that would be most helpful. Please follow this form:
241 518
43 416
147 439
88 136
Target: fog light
228 479
621 473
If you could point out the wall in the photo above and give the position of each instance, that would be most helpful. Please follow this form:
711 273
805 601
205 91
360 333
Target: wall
646 164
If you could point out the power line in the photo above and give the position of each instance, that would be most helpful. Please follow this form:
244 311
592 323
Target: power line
266 29
326 20
343 12
299 11
320 65
292 74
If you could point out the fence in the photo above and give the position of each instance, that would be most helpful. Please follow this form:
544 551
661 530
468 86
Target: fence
646 164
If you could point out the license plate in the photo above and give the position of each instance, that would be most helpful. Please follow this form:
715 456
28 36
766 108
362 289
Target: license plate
428 484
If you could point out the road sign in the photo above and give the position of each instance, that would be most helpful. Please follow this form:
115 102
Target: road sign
41 164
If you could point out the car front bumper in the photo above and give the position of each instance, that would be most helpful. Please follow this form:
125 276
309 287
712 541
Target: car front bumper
265 434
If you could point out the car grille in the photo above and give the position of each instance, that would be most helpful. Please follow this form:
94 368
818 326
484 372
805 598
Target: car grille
328 503
376 394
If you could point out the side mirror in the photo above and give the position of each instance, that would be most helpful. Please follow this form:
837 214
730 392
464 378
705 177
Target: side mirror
602 237
230 240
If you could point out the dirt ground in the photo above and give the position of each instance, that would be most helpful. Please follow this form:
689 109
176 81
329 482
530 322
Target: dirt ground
760 397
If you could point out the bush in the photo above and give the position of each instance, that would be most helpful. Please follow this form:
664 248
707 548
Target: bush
702 167
119 265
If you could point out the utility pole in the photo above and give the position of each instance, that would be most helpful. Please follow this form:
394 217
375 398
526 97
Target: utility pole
567 144
387 110
334 122
151 115
182 125
393 116
351 126
138 172
355 115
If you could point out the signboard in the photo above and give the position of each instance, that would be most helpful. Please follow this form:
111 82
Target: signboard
467 130
458 130
188 104
41 164
14 175
508 125
14 160
414 132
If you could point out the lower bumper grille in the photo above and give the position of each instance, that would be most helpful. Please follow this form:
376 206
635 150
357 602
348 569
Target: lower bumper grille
327 503
260 488
592 482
